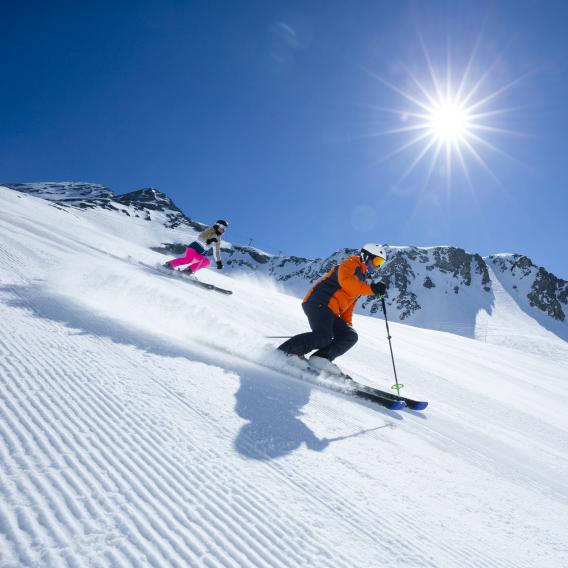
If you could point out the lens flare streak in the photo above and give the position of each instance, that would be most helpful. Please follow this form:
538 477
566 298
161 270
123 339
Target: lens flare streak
450 124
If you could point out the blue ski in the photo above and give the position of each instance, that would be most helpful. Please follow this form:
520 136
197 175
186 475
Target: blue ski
368 394
408 402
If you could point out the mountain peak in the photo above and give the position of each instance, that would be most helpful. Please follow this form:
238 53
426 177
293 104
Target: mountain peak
142 202
148 197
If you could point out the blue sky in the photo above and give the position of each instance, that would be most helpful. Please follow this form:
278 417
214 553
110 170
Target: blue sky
267 114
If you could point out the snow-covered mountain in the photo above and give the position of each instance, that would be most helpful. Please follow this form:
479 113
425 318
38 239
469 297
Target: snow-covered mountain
444 288
145 421
139 204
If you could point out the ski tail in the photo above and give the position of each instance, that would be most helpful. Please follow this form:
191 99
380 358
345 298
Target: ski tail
186 277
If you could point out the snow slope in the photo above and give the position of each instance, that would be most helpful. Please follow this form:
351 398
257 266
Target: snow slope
444 287
140 425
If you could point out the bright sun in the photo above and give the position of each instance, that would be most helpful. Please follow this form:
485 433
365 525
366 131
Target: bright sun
447 121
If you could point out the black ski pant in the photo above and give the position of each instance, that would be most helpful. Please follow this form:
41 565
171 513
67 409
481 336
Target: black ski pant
330 335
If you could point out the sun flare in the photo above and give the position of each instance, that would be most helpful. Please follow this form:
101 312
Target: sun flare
447 122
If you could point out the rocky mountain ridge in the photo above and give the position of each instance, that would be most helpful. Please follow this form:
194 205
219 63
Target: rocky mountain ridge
442 287
139 203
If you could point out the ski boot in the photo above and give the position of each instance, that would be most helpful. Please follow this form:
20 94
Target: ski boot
325 365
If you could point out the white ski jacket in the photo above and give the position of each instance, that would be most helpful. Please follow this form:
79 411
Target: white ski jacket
208 239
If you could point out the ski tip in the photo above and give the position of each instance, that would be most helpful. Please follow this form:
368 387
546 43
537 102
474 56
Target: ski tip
418 405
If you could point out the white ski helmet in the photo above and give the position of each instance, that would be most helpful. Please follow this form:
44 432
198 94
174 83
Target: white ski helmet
373 255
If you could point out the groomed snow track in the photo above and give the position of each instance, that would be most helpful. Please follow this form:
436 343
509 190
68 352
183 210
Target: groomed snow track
127 438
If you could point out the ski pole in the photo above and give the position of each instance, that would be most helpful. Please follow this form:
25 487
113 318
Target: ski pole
396 386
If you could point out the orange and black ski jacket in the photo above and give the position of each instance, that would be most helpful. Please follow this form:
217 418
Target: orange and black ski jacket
341 287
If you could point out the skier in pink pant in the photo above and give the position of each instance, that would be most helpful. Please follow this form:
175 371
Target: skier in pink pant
195 252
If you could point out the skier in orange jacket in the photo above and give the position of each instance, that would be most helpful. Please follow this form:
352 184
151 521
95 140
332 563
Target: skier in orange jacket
329 307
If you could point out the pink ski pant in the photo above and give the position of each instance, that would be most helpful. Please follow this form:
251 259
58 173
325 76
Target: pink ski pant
193 258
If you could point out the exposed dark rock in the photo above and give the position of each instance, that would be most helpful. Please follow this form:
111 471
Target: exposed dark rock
171 249
546 292
255 254
150 200
397 273
455 261
481 268
523 264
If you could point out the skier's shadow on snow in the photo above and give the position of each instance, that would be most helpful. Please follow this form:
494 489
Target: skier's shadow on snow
273 411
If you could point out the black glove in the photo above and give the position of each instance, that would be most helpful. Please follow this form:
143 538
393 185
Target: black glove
378 288
209 241
219 265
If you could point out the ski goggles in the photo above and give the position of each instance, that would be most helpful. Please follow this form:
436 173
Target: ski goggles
377 261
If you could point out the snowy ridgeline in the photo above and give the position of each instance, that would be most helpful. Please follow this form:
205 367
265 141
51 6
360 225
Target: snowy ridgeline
142 425
443 288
